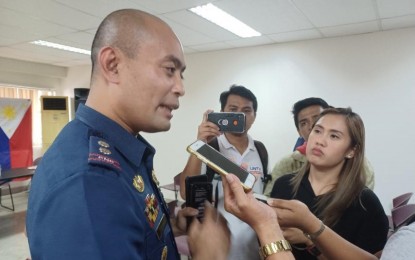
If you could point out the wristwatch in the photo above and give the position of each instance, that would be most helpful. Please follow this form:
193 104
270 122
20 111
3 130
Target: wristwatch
274 247
314 235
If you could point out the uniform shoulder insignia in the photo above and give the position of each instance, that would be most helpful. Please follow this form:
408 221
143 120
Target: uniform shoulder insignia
101 152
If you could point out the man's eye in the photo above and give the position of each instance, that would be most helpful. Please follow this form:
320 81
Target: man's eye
171 70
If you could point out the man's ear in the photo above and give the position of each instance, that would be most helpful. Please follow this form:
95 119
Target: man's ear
109 63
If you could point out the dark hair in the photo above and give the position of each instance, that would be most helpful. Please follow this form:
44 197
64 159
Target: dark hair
239 91
304 103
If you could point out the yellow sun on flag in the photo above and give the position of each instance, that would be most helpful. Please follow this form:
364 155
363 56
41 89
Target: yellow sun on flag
9 112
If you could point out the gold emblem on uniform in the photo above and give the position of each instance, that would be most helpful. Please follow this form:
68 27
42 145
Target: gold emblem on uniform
164 253
103 144
104 150
138 183
153 174
151 210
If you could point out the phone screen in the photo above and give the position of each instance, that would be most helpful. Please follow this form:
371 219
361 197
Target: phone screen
220 163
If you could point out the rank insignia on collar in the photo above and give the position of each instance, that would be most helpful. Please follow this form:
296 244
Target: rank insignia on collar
155 178
102 153
151 210
138 183
104 150
103 144
164 253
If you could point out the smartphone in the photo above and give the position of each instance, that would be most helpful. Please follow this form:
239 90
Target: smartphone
228 121
198 190
220 163
261 197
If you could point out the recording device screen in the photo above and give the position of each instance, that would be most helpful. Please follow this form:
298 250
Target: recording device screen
198 190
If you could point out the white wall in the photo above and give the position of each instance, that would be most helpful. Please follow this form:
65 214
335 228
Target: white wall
32 74
372 73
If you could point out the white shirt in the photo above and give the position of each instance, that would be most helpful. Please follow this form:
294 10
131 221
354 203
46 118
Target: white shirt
401 245
244 242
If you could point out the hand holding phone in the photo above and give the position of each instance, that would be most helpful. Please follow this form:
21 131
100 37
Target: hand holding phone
220 163
228 121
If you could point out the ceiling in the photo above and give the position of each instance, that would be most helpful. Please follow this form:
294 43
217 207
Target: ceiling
74 23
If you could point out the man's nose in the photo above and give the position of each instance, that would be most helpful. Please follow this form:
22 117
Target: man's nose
179 86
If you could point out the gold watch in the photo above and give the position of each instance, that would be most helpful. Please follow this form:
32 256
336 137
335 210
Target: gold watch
274 247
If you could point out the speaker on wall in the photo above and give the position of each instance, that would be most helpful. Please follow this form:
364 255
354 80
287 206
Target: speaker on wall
80 94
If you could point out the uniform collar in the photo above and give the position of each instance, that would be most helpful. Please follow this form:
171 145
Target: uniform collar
228 145
132 147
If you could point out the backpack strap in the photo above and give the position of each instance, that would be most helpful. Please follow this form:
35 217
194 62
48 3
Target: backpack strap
263 155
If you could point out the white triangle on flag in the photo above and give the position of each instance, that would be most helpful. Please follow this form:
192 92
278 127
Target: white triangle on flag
12 111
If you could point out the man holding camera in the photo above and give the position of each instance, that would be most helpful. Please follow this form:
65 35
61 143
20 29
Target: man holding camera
242 150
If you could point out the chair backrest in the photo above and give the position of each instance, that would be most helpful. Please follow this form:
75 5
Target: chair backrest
401 199
37 160
176 181
402 215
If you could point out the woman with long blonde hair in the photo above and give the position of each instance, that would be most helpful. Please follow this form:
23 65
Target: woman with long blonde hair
332 185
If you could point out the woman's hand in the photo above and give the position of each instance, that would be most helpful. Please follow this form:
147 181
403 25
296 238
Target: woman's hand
295 236
294 213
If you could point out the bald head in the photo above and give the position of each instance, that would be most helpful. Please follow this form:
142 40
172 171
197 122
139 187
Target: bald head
124 29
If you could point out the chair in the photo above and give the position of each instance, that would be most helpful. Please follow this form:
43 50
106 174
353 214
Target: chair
403 215
37 160
181 241
35 163
10 193
175 186
401 199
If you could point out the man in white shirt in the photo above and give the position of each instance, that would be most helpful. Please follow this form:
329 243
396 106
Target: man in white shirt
241 149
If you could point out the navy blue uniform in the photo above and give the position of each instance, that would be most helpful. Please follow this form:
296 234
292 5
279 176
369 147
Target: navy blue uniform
94 196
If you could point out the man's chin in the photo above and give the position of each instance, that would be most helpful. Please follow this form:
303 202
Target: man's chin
158 128
238 134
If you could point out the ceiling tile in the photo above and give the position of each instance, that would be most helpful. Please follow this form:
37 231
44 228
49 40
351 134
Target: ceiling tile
188 36
324 13
391 8
75 22
261 40
398 22
349 29
212 46
166 6
103 8
267 16
296 35
201 25
56 13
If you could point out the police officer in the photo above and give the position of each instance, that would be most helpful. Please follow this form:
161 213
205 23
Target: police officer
95 194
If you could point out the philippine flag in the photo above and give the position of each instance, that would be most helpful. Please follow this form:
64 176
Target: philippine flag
16 148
